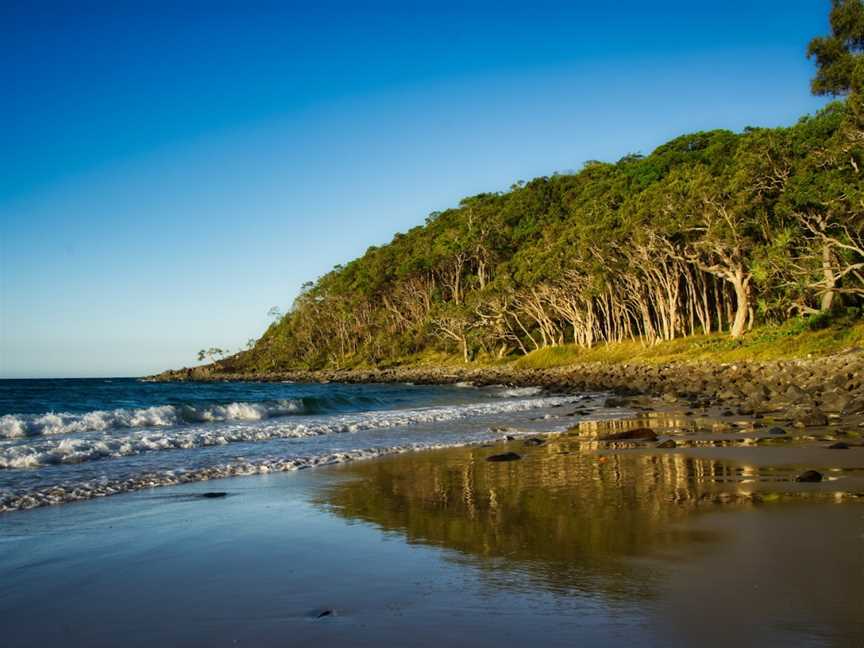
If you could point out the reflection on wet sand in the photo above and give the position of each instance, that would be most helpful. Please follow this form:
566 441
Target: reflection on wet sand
573 510
562 514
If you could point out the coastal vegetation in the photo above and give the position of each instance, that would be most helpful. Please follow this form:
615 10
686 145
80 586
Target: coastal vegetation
716 238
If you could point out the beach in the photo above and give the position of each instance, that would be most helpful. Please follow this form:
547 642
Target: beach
443 324
579 540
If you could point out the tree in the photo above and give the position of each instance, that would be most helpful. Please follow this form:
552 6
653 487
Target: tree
838 57
713 231
214 353
275 313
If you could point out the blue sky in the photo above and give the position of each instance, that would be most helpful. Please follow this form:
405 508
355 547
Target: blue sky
168 174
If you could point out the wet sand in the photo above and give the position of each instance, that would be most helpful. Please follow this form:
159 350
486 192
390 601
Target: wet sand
579 541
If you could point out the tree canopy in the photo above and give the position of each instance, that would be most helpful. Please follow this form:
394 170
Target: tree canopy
839 56
712 232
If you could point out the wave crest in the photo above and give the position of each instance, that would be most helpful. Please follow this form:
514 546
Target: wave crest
71 450
33 425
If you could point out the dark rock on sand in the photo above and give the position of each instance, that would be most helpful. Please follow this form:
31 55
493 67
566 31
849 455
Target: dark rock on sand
507 456
638 434
668 443
777 431
534 441
809 476
839 446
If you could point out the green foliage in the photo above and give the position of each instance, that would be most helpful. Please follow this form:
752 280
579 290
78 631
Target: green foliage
758 234
495 276
839 56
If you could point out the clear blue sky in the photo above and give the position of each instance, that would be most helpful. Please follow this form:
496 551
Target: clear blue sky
167 175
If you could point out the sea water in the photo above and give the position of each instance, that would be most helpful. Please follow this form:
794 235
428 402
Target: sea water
74 439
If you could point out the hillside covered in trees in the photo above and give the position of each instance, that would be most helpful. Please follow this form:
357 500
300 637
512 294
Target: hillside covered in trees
712 232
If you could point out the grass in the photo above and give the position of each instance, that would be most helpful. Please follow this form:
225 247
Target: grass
794 339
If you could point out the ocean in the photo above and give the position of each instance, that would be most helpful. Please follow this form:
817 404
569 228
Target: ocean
65 440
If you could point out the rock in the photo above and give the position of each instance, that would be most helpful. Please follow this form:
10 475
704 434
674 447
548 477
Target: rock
507 456
509 437
668 443
614 401
836 402
534 441
670 397
794 392
813 419
854 406
213 494
839 446
809 476
777 431
640 434
325 613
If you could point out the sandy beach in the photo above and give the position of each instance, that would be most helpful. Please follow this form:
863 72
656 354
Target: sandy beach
578 541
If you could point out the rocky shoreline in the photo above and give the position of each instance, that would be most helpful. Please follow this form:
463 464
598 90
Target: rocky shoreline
807 391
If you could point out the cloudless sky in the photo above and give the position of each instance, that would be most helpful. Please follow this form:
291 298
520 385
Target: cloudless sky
170 171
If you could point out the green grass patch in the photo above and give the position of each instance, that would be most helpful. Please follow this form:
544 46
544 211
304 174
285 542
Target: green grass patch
798 338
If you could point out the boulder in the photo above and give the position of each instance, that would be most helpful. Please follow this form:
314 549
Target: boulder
839 446
507 456
811 476
812 419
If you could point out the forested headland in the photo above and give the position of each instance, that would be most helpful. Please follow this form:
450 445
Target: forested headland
714 232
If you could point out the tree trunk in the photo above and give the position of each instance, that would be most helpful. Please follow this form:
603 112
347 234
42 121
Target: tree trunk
741 284
830 279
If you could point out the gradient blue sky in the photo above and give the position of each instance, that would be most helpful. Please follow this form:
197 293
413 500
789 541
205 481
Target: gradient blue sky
167 174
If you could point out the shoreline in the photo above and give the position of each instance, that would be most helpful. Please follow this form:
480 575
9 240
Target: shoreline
827 386
737 406
572 542
785 443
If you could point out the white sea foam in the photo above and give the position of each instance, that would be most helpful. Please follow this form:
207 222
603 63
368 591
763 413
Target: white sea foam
65 493
71 450
519 392
31 425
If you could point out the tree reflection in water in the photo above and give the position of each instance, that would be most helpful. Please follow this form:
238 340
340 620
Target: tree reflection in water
565 518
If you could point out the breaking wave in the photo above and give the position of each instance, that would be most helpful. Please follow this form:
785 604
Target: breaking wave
66 493
519 392
49 451
31 425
